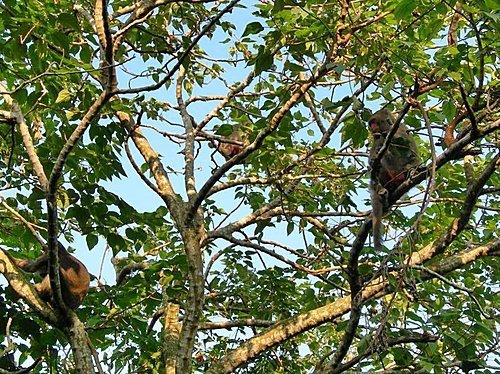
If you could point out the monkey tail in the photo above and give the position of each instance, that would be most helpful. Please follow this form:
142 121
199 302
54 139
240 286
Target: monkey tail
377 213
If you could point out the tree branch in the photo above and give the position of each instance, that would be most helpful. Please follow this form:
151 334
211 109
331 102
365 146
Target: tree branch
236 323
415 338
189 126
164 187
101 21
24 289
458 224
26 137
51 198
184 54
286 329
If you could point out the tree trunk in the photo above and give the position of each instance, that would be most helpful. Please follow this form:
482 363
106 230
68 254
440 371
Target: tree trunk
79 341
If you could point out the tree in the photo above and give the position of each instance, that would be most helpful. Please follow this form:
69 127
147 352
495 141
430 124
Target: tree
263 259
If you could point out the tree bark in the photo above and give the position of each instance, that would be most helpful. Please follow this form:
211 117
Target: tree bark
79 341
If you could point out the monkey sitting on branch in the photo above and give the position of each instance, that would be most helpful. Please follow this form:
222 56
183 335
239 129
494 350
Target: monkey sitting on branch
232 144
395 166
74 277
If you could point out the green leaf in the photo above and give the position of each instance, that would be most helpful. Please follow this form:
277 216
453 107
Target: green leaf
294 67
278 5
364 343
493 5
63 96
68 20
116 242
354 130
449 109
401 356
155 355
404 8
62 199
225 130
91 240
253 28
263 61
356 104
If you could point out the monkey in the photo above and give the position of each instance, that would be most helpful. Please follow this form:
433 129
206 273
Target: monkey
74 276
395 166
229 150
401 155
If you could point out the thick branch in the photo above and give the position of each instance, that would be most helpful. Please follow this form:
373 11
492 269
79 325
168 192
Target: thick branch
236 323
80 345
101 21
165 189
171 331
192 234
128 269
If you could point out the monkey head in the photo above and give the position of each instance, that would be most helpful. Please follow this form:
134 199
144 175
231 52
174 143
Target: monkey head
381 121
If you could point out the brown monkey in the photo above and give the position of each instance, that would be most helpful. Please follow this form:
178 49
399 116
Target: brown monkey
234 147
397 162
74 276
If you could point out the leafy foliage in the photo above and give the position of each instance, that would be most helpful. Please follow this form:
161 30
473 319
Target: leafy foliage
276 236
